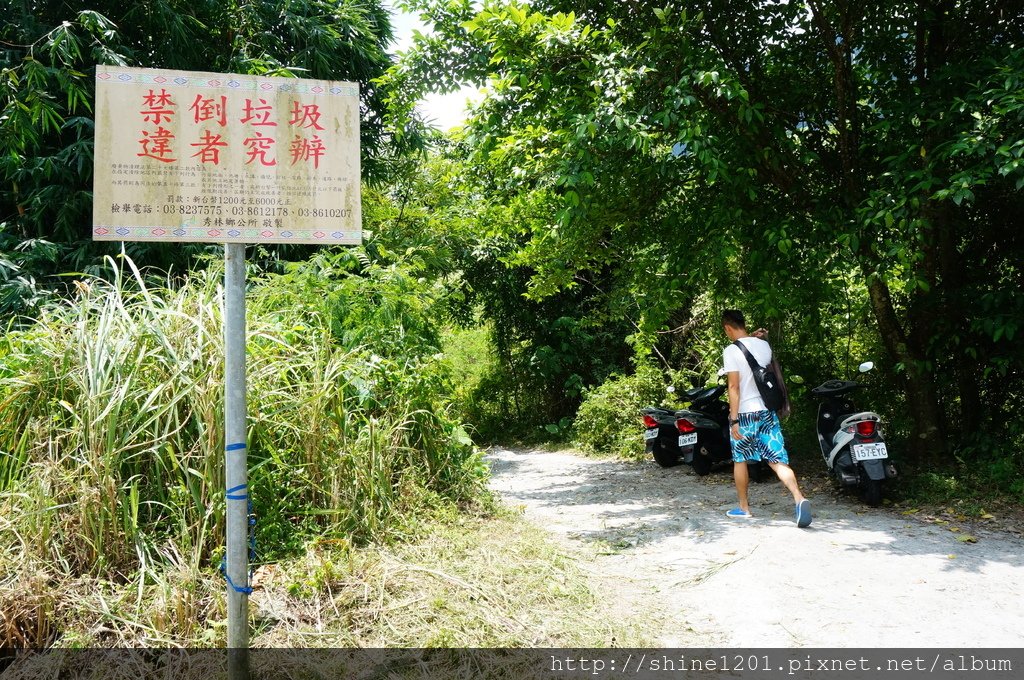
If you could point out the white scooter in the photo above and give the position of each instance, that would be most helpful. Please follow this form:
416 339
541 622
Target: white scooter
851 441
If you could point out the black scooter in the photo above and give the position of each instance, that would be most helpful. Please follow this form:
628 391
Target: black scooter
661 438
698 435
704 429
851 440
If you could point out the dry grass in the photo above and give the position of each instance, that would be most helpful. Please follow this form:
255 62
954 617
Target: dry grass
27 616
477 581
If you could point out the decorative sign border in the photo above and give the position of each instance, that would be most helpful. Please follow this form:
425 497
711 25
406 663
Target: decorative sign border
212 80
221 235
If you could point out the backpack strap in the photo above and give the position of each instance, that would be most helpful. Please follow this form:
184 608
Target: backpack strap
773 390
750 357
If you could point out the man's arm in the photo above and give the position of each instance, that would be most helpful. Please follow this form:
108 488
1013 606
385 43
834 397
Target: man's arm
734 403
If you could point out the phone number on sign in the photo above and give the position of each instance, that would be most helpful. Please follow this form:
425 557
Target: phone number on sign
232 211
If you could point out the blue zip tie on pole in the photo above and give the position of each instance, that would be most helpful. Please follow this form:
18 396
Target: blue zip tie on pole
247 589
234 447
233 495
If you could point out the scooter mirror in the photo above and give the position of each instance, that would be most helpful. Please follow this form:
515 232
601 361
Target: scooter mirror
796 379
670 389
866 366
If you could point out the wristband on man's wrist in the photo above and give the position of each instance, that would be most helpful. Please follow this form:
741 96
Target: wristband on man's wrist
734 421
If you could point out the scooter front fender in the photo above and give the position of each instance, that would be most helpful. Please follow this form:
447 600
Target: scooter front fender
875 469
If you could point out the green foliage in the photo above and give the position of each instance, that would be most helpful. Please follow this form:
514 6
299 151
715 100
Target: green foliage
544 350
20 293
608 422
987 471
848 174
468 354
111 444
994 465
544 361
470 358
47 65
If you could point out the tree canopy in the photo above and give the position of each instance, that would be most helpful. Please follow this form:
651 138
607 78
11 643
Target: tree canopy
848 173
47 53
819 163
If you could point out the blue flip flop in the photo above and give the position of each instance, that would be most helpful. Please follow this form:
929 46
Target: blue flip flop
803 513
739 513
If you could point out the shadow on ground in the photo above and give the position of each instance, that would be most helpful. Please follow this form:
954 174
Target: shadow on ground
638 503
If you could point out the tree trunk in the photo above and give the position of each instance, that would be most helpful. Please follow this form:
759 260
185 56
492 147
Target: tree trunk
927 439
956 311
943 266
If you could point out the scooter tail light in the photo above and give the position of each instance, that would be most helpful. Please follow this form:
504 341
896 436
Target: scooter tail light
866 428
685 426
649 421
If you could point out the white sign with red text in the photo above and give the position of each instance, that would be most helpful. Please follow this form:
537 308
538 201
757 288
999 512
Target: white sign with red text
225 158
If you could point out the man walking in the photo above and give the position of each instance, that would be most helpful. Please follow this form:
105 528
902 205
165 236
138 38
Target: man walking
755 432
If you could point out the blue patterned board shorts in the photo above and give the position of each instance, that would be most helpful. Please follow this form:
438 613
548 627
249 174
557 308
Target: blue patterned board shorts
761 439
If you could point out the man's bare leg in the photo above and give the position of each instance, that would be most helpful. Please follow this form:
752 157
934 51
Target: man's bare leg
788 479
742 479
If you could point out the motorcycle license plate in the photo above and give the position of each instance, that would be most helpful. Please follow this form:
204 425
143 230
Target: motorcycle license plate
869 451
651 434
688 439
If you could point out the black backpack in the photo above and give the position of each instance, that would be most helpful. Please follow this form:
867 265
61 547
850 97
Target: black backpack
769 384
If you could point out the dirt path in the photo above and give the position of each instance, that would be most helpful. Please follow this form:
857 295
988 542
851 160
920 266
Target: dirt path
858 577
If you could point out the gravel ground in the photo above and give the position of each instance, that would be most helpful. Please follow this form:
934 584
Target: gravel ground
659 545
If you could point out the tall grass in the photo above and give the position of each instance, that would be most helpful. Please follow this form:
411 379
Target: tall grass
111 431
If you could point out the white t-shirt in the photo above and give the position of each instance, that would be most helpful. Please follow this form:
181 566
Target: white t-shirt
736 362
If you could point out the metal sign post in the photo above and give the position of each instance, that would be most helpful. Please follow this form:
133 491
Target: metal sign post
236 468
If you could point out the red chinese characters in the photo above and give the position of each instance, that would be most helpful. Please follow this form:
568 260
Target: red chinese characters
157 107
206 128
204 109
302 149
209 148
156 143
258 115
257 146
305 116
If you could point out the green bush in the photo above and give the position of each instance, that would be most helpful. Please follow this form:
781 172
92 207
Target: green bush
499 408
988 469
111 424
608 421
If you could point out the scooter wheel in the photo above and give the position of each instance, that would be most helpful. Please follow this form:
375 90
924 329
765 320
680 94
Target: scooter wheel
871 492
665 455
701 462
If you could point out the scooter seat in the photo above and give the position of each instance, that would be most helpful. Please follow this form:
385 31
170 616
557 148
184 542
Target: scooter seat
704 393
833 388
655 410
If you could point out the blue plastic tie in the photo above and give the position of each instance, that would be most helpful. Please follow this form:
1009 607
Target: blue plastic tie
232 493
247 589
